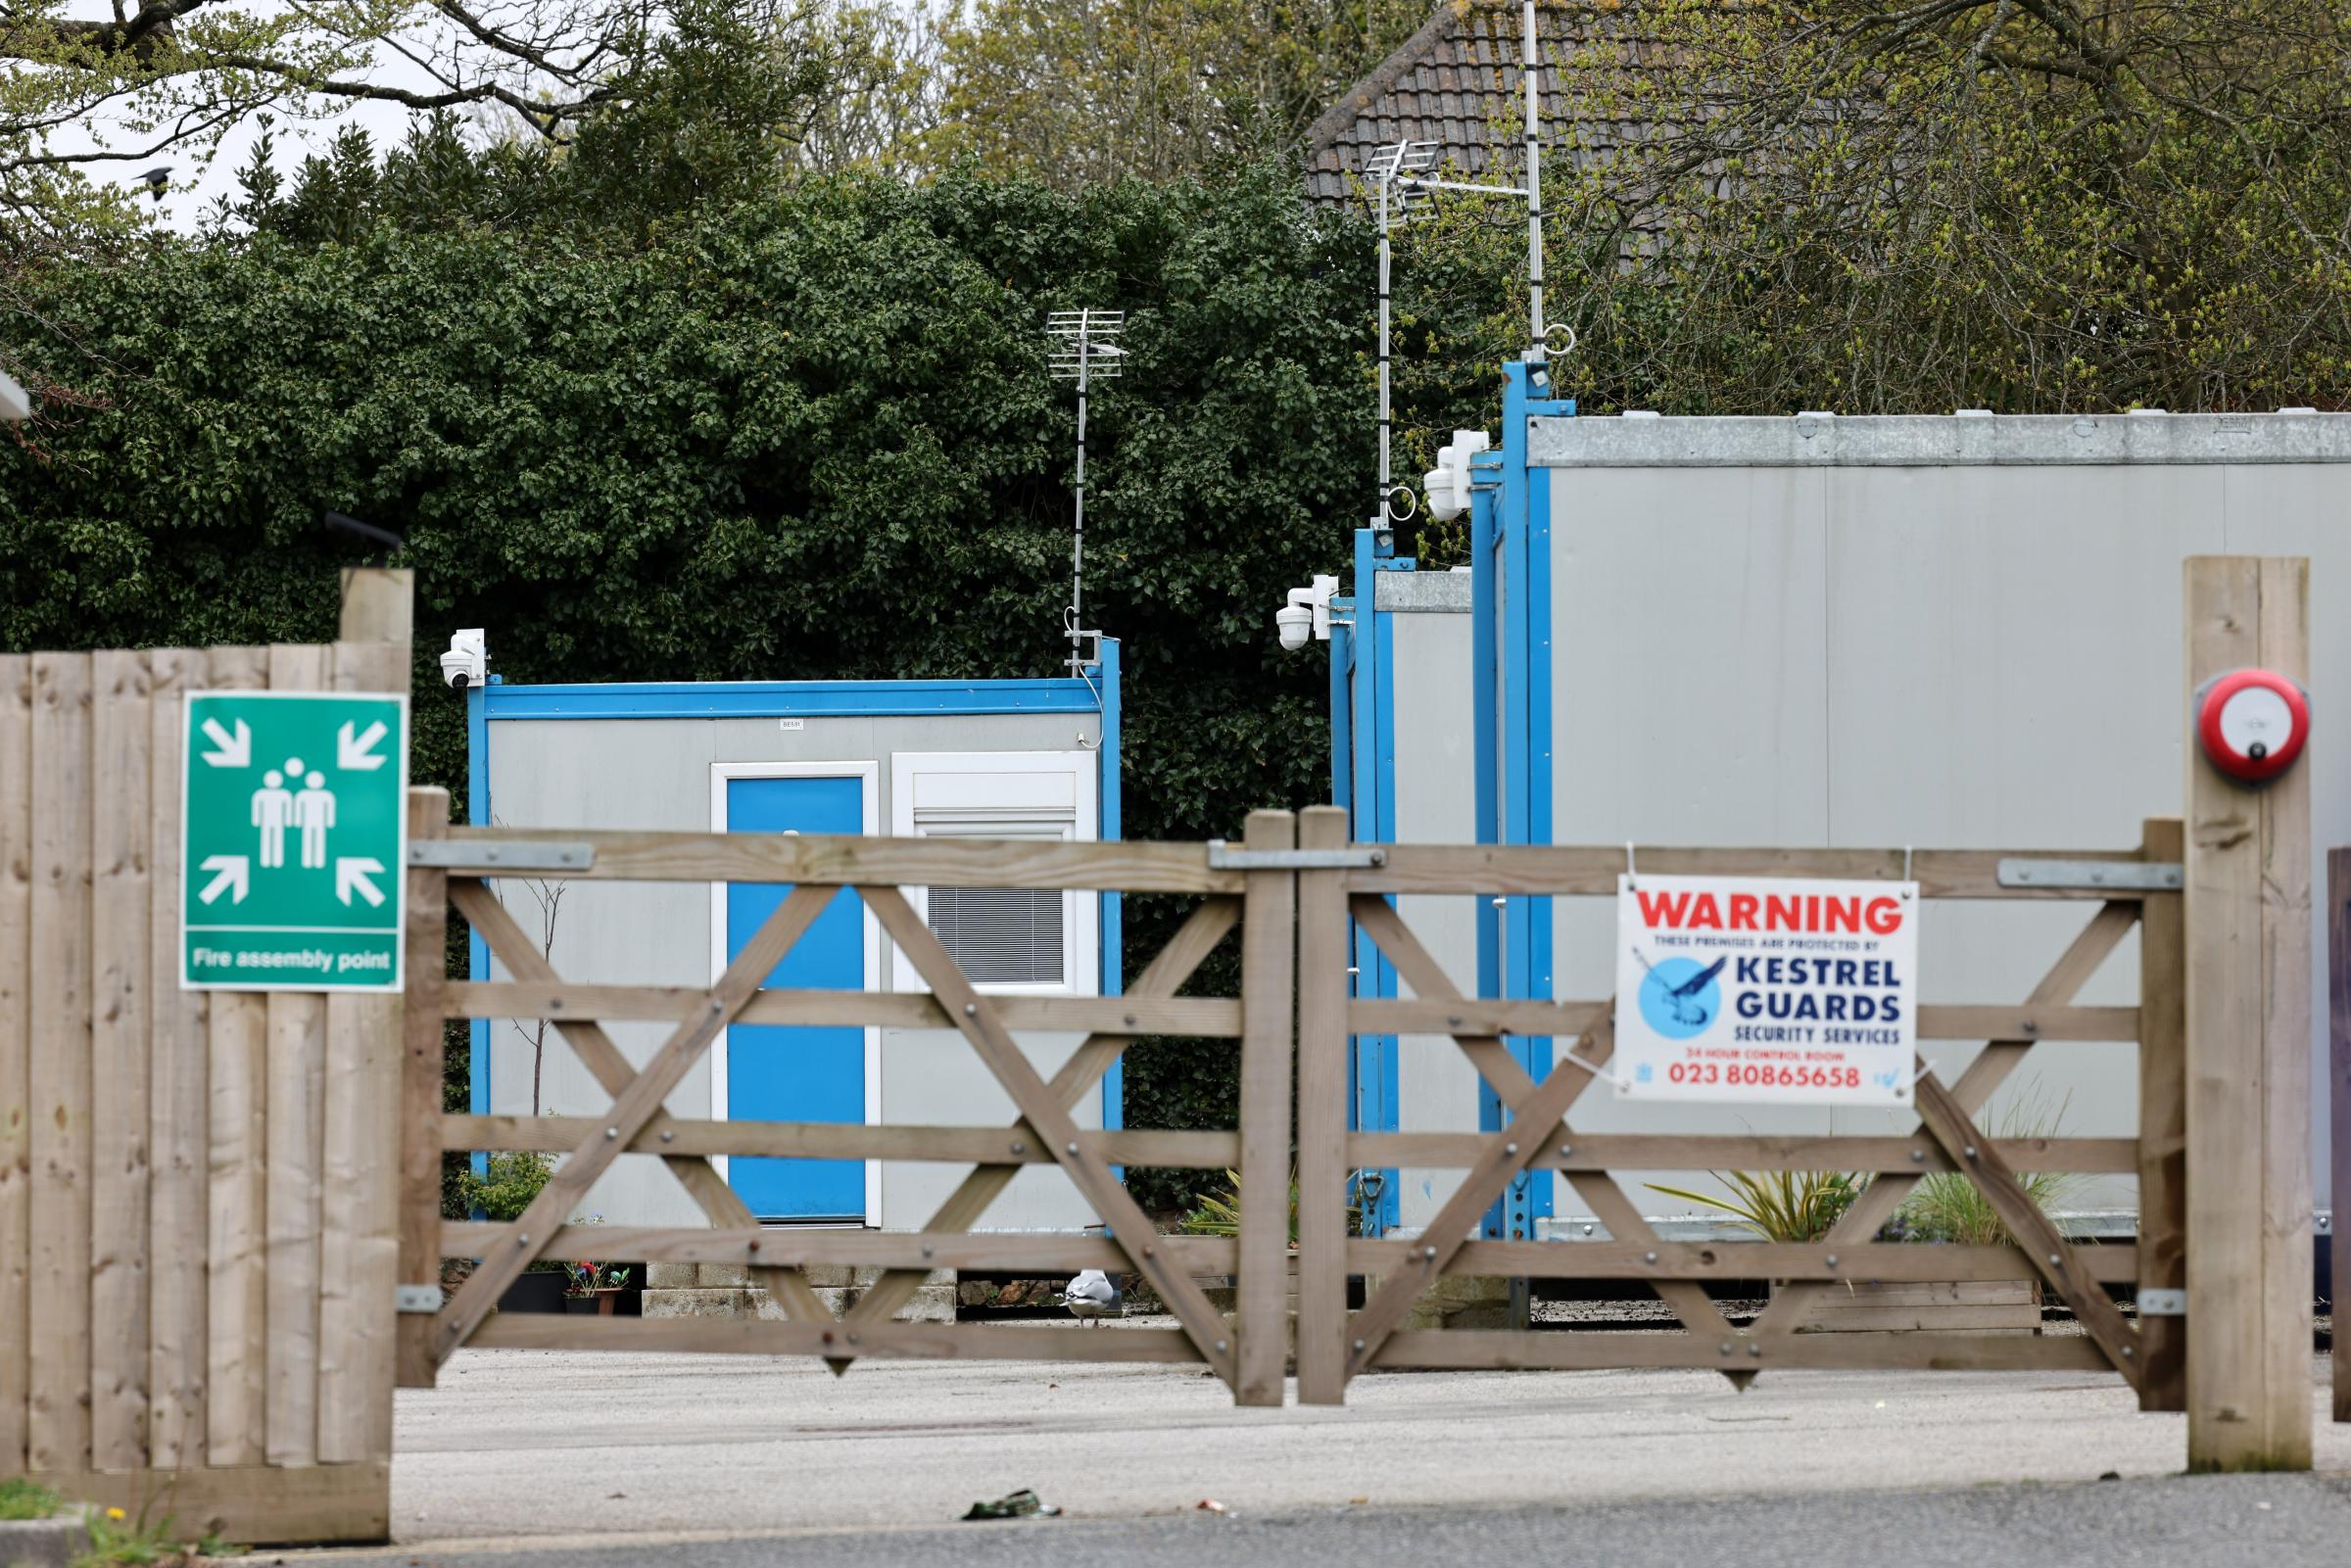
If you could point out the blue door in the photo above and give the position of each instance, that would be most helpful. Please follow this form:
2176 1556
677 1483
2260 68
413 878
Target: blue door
777 1073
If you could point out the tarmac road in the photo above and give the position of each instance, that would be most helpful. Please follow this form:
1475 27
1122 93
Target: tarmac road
528 1456
2192 1522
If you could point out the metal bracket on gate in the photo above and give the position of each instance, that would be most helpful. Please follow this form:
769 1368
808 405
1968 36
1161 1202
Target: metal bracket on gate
2122 876
1223 857
505 854
2163 1303
424 1299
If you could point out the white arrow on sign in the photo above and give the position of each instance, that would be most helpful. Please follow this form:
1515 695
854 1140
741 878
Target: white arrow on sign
355 871
236 751
357 755
233 877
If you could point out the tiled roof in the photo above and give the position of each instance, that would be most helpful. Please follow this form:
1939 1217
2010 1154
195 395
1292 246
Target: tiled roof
1456 83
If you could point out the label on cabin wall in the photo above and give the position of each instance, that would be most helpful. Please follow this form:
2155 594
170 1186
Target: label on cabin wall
1766 990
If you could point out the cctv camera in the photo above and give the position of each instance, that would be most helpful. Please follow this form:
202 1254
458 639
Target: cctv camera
467 661
1294 622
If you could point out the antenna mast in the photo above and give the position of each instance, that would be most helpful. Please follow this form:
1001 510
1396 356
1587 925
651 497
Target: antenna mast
1393 171
1391 166
1529 70
1086 346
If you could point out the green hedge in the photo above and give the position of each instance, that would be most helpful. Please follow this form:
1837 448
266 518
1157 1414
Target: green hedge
814 438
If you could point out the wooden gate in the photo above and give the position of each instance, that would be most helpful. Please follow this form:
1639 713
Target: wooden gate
196 1188
1285 864
1335 1346
451 869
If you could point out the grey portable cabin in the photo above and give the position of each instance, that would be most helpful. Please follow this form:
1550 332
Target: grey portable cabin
1034 758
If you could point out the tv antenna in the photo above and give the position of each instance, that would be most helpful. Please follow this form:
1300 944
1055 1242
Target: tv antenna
1086 349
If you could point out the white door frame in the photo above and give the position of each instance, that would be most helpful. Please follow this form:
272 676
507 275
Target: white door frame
868 775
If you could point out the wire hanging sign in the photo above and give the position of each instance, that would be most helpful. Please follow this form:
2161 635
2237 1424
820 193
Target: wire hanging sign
1086 350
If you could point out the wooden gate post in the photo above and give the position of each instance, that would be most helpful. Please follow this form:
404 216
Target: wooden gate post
2162 1123
1322 1114
2338 1077
2249 1208
1261 1302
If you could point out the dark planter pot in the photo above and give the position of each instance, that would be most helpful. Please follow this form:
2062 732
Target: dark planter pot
533 1293
603 1303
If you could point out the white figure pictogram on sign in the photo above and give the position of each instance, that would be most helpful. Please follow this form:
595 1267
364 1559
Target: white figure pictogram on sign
272 812
314 814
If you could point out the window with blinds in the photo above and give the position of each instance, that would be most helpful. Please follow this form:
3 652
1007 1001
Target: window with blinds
1001 936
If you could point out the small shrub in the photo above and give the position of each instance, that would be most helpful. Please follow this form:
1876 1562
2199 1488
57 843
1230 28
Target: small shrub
507 1184
1785 1206
1948 1205
23 1497
506 1187
119 1540
1213 1215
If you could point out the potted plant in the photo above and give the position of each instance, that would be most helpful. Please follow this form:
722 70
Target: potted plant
594 1289
501 1190
1946 1208
1219 1214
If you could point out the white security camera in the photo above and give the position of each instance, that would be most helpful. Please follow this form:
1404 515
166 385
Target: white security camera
467 661
1307 613
15 403
1448 484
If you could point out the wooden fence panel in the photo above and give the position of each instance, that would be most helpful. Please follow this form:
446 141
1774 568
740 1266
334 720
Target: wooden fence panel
60 1308
15 1057
296 1098
237 1356
359 1252
178 1114
119 1062
158 1159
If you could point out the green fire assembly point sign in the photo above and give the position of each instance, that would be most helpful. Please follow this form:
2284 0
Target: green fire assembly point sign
294 840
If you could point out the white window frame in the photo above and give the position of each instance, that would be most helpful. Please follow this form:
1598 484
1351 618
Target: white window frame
1080 914
868 775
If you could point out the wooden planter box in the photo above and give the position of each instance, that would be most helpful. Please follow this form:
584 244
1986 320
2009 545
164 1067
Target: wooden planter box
1972 1307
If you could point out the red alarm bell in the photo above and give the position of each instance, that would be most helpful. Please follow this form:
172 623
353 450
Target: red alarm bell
2252 723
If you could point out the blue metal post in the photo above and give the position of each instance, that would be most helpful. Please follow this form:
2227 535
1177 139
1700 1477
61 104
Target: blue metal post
477 812
1371 697
1523 529
1485 652
1113 911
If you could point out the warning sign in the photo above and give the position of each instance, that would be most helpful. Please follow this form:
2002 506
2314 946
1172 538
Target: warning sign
1766 990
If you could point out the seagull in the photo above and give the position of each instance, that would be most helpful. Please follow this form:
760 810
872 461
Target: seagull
1091 1297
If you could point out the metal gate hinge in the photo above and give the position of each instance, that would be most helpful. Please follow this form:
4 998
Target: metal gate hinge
506 854
2122 876
1223 857
424 1299
2163 1303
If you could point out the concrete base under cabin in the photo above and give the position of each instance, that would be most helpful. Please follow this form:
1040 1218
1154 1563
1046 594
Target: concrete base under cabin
725 1290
